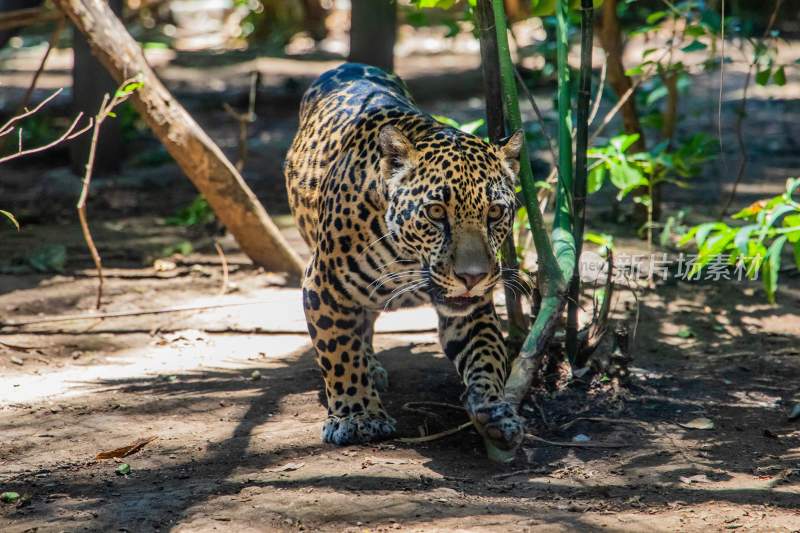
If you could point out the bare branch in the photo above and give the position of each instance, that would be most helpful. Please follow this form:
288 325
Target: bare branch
740 116
6 128
69 134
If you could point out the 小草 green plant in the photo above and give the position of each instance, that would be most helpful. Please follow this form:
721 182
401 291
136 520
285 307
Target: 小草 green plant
639 174
771 225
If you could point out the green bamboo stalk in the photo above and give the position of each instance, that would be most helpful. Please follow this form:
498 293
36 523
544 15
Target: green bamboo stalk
563 216
556 256
548 264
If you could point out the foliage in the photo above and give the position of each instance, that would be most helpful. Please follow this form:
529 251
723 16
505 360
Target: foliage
197 213
772 225
640 173
9 216
471 127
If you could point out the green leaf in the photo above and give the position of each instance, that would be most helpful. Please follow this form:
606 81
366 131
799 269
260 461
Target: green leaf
438 4
705 229
694 46
600 239
9 497
623 142
762 76
596 178
635 71
695 31
742 236
777 213
796 249
779 77
473 126
447 121
654 17
685 333
655 95
713 247
774 262
10 217
543 8
625 177
128 89
49 258
123 469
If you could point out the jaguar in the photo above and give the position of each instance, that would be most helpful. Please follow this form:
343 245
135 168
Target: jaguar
399 209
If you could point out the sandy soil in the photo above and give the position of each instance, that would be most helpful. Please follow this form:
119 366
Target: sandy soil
239 452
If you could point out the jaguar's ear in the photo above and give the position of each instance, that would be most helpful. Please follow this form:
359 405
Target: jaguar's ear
510 148
397 159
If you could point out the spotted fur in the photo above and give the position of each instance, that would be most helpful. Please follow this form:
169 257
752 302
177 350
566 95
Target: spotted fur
398 209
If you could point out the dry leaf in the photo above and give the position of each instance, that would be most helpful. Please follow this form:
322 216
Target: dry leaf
698 423
163 265
369 461
126 450
698 478
288 467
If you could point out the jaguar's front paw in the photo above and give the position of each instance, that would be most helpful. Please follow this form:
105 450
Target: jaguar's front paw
379 375
357 429
500 424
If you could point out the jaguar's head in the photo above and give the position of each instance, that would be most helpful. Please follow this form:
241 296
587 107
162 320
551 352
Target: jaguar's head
450 204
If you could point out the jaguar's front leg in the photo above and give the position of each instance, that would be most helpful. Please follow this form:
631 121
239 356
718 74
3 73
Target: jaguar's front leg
474 343
338 331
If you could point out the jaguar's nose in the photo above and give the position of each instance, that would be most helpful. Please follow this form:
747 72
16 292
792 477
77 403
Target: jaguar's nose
471 279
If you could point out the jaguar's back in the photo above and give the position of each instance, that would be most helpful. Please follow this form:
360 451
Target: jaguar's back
341 112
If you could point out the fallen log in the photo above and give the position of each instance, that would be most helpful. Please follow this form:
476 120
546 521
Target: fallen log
198 156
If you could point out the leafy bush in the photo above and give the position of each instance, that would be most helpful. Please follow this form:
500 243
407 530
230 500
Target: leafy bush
772 225
640 173
197 213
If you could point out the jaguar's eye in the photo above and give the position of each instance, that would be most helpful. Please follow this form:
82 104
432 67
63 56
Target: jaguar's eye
436 212
495 212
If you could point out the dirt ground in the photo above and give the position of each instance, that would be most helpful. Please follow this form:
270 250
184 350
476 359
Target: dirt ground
231 392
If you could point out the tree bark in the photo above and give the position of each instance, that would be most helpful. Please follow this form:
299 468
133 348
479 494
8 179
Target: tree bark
373 28
610 36
200 159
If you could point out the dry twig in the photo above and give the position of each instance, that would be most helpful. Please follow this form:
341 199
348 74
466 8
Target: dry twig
50 45
20 18
70 133
122 314
224 288
742 113
245 119
106 108
435 436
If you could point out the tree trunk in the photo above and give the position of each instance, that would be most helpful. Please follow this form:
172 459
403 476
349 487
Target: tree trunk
90 82
373 28
200 159
610 36
314 20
